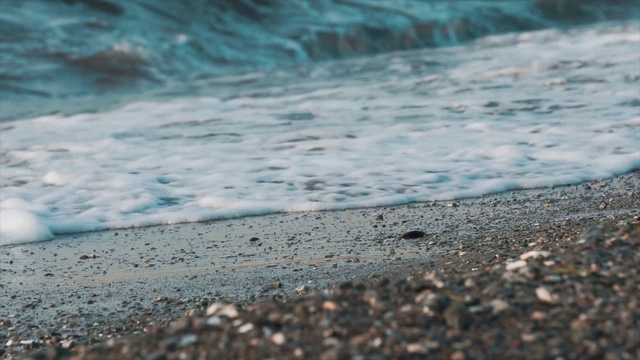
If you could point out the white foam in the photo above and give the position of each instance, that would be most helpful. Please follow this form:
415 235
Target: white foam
55 178
19 226
482 121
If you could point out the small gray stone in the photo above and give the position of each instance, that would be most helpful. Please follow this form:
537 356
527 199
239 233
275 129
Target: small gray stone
457 316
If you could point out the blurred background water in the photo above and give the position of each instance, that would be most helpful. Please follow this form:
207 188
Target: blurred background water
83 55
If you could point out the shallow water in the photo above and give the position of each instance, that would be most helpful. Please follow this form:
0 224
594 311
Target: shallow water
504 112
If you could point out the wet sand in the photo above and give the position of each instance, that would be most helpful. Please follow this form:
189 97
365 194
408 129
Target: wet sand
89 287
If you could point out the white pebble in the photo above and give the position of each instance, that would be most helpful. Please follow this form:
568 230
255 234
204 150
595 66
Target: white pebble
499 305
516 265
278 338
545 295
214 308
245 328
534 254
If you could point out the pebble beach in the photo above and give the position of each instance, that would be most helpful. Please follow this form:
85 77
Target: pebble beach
536 274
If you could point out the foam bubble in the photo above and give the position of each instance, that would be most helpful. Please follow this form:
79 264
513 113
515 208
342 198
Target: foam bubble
55 178
19 226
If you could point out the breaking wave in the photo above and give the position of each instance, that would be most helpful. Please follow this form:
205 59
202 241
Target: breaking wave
66 51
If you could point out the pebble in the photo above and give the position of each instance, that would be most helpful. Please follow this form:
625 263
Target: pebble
516 265
230 311
457 315
330 306
278 338
416 348
534 254
245 328
157 355
538 315
181 325
414 234
214 321
67 344
545 295
469 283
187 340
498 306
214 308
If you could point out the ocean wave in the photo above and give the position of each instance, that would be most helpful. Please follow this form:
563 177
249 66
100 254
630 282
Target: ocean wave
507 112
74 47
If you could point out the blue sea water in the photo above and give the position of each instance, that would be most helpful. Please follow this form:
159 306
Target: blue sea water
118 114
82 55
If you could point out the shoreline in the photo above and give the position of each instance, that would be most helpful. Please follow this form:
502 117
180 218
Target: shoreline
93 286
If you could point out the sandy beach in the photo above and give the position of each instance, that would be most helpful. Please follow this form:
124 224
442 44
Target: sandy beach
84 289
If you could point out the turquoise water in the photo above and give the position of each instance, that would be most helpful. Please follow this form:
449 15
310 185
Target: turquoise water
85 55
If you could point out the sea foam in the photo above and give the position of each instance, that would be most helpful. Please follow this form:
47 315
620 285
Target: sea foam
20 226
424 125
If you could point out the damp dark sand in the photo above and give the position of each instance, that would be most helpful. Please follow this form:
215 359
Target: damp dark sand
308 283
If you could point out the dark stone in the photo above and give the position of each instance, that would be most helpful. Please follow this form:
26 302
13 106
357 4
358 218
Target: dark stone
414 234
158 355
